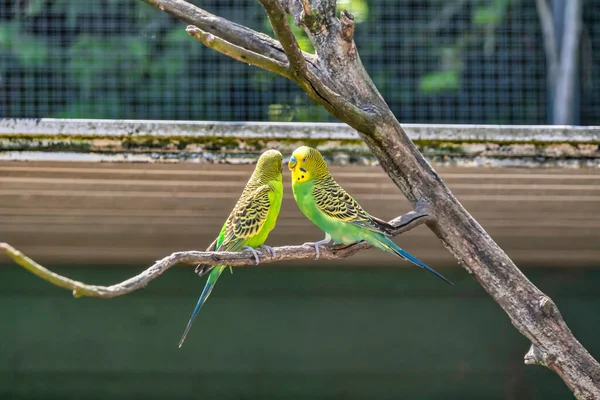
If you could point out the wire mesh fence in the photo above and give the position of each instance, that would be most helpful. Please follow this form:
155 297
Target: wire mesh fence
590 83
463 61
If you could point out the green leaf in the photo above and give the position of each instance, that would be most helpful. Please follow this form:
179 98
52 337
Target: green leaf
439 81
492 14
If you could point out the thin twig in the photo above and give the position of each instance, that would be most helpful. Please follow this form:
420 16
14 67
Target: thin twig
285 253
286 37
238 53
229 31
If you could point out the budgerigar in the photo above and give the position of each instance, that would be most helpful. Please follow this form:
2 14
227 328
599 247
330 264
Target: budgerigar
251 220
332 209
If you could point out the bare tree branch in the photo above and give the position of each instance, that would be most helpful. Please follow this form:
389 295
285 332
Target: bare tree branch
304 67
284 33
222 28
228 34
238 53
402 224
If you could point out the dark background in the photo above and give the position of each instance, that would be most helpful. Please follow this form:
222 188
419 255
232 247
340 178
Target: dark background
281 333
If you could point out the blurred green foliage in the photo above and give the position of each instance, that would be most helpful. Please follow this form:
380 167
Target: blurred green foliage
27 49
485 18
465 61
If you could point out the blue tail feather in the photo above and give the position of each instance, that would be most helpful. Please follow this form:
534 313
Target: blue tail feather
210 283
386 243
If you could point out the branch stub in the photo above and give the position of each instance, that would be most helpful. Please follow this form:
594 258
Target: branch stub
347 26
534 356
548 307
305 8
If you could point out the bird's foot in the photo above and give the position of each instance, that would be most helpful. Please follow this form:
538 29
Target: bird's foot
202 269
268 248
317 244
253 251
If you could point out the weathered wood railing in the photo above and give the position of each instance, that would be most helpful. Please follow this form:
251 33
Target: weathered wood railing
131 140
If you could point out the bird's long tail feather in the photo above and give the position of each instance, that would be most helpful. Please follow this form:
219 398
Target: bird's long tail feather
385 243
210 283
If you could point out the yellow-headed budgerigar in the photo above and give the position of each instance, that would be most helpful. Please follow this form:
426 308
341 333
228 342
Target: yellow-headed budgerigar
251 220
332 209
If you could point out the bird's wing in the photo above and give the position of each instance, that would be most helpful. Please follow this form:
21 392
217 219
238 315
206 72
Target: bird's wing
336 203
384 226
247 218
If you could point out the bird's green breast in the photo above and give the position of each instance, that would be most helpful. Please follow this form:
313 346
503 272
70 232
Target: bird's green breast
341 232
305 200
275 198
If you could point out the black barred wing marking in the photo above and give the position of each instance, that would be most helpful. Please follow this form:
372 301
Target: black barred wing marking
247 218
336 203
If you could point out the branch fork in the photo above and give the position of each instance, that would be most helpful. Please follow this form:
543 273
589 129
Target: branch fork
283 56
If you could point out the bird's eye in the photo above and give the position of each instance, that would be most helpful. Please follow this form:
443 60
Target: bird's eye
304 159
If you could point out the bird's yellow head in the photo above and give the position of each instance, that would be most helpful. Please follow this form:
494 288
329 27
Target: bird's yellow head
307 163
269 166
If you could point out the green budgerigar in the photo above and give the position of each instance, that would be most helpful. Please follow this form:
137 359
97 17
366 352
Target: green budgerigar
332 209
251 220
